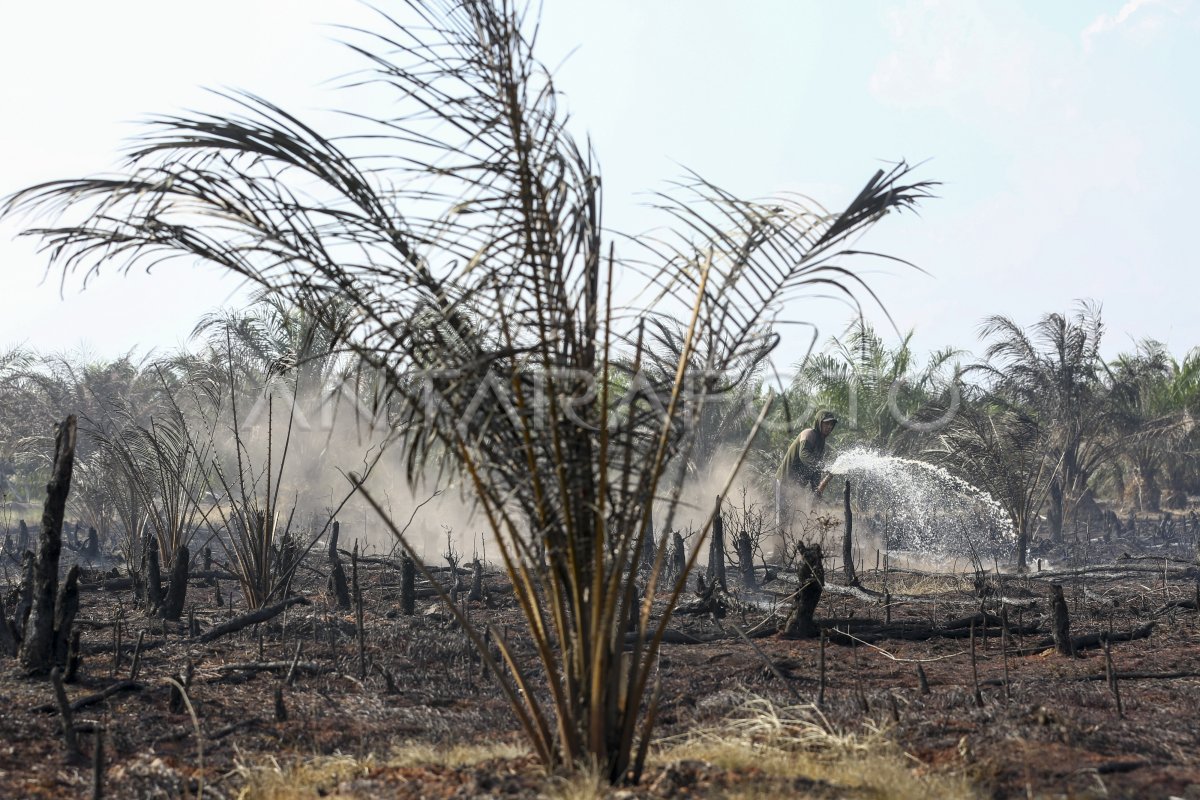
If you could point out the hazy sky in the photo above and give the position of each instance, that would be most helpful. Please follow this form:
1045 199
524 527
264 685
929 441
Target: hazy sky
1067 137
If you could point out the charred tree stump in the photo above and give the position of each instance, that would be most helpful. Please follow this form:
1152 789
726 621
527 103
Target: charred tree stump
716 549
137 577
280 708
137 655
678 556
848 541
408 586
66 606
745 552
337 575
975 669
74 658
8 638
153 578
800 623
476 593
24 597
176 702
37 649
172 606
91 548
922 680
646 563
1062 621
22 537
1110 673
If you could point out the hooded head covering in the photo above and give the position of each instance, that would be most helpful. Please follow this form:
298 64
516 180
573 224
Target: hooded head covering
806 450
825 416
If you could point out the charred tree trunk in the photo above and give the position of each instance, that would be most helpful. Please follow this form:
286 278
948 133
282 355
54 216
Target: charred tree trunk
37 649
24 597
65 609
1149 495
678 557
8 639
476 593
800 623
848 541
716 550
91 548
74 658
408 586
1023 546
172 607
153 578
1062 621
22 537
646 563
745 552
1054 510
337 575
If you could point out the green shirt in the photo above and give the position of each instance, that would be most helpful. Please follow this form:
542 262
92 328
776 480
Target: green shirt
803 457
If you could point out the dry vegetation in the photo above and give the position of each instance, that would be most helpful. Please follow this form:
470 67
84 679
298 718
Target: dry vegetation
231 601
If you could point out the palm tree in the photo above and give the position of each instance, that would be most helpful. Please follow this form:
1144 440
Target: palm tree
15 416
275 340
1006 452
878 389
1154 399
472 202
1053 371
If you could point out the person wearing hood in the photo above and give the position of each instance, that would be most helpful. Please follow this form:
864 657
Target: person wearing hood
804 461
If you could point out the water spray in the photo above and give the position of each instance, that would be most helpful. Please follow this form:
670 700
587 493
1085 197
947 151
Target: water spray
929 511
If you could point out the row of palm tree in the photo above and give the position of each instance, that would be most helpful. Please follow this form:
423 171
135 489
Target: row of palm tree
1041 420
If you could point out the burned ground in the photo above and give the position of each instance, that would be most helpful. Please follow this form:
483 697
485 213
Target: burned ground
416 715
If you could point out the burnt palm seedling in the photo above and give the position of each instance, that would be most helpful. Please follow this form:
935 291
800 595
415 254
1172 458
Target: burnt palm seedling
463 227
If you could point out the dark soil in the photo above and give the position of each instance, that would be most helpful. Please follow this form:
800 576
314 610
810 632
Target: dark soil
1054 730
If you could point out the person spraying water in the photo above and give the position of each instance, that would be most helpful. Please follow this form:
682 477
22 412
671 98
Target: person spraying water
803 464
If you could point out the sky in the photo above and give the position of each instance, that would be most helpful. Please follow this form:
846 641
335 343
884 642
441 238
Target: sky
1066 137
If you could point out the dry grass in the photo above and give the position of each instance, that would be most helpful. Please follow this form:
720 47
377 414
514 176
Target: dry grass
314 778
585 784
798 742
415 754
320 775
761 748
927 584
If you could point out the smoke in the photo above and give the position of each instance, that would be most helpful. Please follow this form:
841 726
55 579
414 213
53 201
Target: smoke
306 448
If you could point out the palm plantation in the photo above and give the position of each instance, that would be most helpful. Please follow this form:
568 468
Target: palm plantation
444 281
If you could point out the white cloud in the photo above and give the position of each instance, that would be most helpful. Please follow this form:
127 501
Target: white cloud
1140 18
957 55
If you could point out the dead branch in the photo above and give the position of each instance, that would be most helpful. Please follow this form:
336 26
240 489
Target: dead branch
252 618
